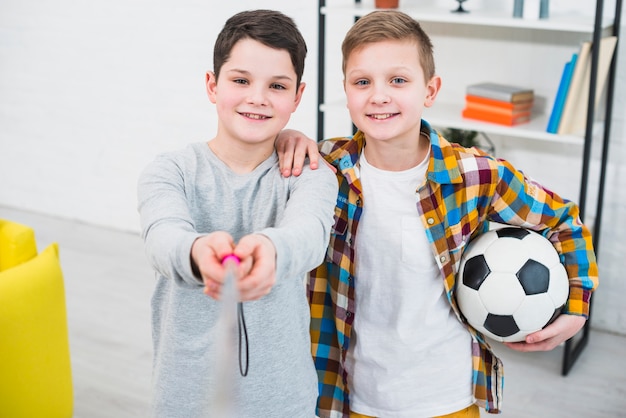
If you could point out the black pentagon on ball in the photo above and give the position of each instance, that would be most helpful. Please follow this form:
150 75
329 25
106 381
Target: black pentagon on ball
475 272
534 277
511 232
501 325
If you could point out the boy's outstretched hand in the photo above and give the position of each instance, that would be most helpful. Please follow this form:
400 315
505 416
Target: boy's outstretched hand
561 330
256 273
207 253
258 266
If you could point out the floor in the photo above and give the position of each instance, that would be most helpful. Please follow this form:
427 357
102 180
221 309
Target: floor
108 289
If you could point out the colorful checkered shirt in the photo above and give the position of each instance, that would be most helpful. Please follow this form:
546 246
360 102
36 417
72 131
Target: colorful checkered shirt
463 191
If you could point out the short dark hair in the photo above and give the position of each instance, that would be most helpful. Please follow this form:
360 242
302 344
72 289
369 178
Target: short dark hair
269 27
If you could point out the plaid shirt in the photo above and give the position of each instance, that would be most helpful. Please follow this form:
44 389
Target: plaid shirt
464 189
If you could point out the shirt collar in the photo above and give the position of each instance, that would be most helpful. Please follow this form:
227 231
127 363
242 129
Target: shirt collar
443 166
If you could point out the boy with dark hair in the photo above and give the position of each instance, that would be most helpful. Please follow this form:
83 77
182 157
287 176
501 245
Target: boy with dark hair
388 338
227 197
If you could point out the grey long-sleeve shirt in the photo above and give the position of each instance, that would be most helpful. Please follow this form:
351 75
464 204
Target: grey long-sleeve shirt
185 194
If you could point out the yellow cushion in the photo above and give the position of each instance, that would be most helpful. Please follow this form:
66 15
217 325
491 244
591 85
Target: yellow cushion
35 372
17 244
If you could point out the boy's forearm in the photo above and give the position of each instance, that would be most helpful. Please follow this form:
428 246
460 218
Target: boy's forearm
302 235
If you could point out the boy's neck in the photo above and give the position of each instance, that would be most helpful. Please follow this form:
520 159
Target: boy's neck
394 156
239 156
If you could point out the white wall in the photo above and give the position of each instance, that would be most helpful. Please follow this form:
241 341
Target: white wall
91 91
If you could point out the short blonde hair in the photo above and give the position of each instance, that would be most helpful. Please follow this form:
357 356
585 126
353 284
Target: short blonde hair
383 25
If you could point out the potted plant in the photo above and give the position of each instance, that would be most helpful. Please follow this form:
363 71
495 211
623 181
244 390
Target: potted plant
469 139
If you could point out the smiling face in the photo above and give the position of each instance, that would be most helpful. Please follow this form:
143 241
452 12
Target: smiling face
386 90
256 93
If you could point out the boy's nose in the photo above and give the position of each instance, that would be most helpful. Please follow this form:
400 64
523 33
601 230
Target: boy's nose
257 97
380 96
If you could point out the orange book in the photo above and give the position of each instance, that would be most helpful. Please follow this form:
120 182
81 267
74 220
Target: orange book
498 104
499 118
479 107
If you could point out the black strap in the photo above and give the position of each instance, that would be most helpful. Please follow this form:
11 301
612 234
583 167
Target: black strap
241 325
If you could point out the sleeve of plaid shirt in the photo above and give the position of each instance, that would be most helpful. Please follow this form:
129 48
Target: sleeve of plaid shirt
521 201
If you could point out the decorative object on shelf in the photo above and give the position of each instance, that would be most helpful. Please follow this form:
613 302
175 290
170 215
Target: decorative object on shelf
538 8
461 137
518 9
544 9
386 4
460 9
469 139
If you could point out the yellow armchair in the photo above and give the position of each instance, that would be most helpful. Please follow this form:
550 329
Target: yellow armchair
35 371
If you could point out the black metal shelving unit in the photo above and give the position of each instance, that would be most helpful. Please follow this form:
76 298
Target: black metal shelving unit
574 346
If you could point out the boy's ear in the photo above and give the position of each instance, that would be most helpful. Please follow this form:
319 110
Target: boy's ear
432 89
299 93
211 85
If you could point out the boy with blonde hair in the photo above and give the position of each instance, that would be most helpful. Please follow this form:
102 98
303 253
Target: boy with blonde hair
388 337
226 196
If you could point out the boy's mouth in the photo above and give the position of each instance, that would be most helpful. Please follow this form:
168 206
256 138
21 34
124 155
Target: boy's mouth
254 116
381 116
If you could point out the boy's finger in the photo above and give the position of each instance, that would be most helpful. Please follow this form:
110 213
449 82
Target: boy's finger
253 289
285 157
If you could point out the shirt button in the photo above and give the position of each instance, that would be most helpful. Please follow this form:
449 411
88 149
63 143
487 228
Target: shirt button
442 258
430 221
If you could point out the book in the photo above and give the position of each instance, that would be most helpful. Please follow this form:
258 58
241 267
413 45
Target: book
561 95
574 117
507 110
503 92
575 88
498 103
499 118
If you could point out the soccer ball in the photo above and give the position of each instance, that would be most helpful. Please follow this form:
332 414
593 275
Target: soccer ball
511 283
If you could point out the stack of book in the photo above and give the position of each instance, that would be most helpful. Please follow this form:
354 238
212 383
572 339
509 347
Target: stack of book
569 111
498 103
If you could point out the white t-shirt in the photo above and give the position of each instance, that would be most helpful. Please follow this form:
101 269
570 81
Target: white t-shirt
409 355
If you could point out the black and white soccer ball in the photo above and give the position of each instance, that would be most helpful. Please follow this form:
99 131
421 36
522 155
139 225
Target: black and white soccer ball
511 283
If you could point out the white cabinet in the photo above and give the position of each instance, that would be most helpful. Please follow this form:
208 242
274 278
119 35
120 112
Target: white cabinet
490 45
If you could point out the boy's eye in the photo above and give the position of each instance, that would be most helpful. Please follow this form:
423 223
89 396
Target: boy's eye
398 80
240 81
278 86
361 82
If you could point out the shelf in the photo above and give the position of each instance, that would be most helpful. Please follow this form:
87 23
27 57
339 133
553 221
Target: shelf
557 23
448 115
